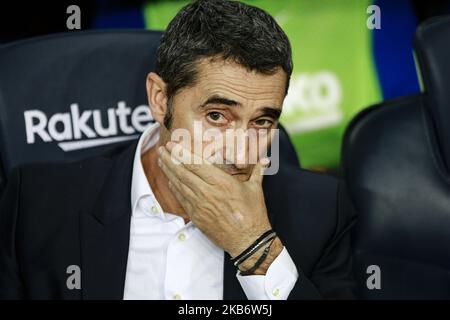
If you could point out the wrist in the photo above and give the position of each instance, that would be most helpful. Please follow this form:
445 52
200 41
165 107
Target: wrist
274 251
245 242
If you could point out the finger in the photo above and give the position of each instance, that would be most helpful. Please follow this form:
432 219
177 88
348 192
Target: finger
179 172
174 181
202 168
184 202
258 170
175 149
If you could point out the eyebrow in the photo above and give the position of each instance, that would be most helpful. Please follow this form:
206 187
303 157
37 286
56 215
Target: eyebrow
272 112
216 99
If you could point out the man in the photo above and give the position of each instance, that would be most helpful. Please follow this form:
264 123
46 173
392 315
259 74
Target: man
144 224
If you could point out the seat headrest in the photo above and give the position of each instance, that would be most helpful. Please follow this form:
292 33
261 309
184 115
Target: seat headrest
432 48
73 95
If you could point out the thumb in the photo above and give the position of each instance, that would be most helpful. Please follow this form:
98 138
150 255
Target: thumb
258 170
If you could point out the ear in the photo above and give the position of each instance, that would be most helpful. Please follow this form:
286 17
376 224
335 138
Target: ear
157 99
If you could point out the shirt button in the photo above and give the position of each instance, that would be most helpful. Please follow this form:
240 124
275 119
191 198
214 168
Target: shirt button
154 209
176 297
181 237
276 292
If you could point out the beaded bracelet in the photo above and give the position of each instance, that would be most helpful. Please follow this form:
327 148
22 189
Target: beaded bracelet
262 240
259 262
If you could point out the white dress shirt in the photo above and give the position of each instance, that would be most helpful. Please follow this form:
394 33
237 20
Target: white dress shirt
169 259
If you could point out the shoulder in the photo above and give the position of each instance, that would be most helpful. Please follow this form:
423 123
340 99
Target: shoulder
295 186
47 188
316 182
61 177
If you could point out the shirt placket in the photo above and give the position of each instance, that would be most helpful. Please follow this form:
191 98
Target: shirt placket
178 264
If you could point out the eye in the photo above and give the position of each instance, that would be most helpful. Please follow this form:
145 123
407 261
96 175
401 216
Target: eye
216 117
263 123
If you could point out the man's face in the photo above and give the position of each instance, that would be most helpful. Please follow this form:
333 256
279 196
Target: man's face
226 96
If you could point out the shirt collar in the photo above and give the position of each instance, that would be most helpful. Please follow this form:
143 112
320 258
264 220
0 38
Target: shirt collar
139 184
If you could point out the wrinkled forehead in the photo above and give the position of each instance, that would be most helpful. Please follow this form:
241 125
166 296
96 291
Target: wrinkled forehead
224 77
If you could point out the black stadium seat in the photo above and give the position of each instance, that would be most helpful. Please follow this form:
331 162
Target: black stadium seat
50 86
396 160
68 96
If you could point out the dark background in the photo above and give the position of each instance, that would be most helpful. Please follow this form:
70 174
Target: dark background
22 19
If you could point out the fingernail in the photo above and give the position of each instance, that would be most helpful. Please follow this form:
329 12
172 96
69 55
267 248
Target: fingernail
265 161
170 145
160 150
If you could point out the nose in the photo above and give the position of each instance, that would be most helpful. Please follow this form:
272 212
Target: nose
239 152
240 148
235 157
